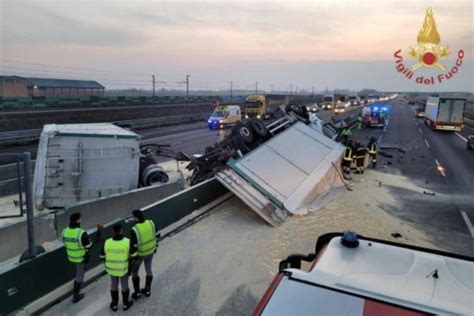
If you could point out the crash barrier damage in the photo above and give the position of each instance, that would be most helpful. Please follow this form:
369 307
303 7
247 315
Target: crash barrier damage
30 280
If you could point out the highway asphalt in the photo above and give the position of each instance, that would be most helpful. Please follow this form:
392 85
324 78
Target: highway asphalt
440 163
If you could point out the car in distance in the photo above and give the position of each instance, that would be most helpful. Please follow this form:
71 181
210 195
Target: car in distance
470 142
420 112
224 116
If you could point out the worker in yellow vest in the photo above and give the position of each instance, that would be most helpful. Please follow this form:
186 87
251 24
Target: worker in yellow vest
345 134
116 254
143 236
77 242
372 148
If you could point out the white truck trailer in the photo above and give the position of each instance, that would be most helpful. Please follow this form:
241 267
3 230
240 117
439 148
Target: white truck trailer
80 162
445 113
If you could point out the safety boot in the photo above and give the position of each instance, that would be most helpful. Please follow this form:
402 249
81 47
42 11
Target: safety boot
115 299
76 293
147 289
136 288
127 304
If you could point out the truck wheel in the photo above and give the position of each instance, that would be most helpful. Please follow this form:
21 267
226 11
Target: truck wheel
239 144
244 131
154 174
258 127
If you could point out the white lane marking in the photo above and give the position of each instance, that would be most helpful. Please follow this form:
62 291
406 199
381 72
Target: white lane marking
8 180
468 223
440 168
460 136
427 144
421 132
14 164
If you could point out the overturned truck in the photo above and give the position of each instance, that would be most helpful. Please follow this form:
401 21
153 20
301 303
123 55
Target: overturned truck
284 167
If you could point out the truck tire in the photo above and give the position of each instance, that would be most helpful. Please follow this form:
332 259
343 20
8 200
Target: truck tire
244 131
154 174
258 127
239 144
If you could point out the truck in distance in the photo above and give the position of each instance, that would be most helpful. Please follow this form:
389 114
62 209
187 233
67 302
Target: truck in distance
224 116
353 100
328 102
262 106
372 98
445 113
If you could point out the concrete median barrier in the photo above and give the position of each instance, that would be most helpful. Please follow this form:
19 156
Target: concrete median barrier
48 227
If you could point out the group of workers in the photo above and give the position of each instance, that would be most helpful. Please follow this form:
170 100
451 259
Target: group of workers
121 256
356 151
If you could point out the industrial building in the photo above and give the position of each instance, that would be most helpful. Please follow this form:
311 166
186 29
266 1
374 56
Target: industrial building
15 86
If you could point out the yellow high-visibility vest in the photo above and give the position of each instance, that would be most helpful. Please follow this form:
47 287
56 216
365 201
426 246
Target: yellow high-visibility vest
373 149
72 241
145 233
347 154
116 256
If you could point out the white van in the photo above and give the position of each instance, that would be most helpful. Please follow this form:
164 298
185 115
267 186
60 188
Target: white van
224 116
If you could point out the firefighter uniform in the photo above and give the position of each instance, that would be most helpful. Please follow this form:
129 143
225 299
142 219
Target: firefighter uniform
143 236
347 160
77 242
372 148
116 254
360 158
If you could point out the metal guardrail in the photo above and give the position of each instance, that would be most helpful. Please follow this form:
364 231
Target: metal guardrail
25 136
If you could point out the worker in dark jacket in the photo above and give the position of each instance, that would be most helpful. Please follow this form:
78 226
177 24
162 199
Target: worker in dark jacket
77 243
372 149
347 158
116 253
359 156
143 237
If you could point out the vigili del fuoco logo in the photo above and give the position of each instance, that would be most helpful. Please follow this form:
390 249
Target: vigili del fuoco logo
428 54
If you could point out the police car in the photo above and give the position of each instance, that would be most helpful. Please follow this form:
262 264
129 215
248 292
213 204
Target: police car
354 275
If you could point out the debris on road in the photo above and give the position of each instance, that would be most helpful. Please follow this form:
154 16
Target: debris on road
386 155
428 193
396 235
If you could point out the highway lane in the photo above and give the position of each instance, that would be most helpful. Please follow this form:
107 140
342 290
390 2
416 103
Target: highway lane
439 163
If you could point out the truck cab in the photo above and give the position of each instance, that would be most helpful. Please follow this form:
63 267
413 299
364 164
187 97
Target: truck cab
224 116
262 106
353 100
328 102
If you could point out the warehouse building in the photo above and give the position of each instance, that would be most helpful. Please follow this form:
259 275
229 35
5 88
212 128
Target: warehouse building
15 86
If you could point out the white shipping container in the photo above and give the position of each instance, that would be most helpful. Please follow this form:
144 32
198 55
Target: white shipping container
445 110
80 162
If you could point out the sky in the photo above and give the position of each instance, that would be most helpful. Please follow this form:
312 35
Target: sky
299 44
